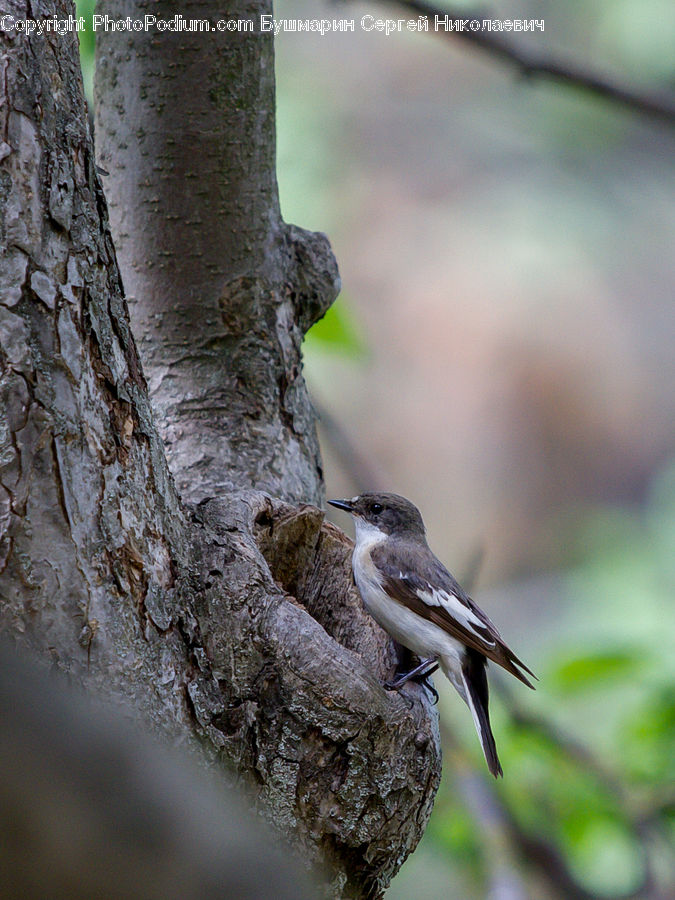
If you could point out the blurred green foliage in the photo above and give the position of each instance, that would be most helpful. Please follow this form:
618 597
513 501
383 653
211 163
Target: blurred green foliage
337 332
590 761
582 673
87 41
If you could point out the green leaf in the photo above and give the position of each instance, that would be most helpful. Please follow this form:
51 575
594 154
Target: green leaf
337 332
87 40
648 739
605 855
591 670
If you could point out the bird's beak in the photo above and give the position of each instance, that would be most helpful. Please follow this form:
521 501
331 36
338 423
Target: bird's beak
347 505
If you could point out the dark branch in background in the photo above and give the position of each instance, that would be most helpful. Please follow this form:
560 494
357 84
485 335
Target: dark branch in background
572 747
646 821
534 65
361 471
481 800
483 803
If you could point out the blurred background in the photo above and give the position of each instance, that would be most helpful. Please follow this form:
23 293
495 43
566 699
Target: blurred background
502 354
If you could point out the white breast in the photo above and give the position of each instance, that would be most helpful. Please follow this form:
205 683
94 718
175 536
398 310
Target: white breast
408 628
365 574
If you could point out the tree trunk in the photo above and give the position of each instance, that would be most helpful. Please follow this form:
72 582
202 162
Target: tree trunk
221 290
232 625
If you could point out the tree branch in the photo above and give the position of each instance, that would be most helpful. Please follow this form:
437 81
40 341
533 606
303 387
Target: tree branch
644 821
533 65
361 470
508 844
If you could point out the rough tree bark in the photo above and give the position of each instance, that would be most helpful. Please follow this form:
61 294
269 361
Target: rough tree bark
231 624
220 289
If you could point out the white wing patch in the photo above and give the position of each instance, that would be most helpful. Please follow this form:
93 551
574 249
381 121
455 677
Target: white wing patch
458 610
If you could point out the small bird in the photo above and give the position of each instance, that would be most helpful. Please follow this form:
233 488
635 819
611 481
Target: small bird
411 594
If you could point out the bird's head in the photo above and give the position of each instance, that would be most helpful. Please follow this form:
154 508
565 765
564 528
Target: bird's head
389 513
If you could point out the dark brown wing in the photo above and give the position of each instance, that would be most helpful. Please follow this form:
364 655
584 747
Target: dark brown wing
426 587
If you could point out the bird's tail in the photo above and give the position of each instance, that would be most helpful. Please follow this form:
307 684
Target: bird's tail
474 679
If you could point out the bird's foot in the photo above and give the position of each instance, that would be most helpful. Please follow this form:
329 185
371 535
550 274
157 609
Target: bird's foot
420 674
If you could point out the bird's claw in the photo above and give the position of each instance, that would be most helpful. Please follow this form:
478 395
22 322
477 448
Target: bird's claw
424 681
398 683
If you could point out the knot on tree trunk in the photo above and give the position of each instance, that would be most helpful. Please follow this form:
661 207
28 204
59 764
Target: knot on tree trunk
345 769
312 275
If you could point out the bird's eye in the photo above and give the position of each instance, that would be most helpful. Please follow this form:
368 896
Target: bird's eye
376 508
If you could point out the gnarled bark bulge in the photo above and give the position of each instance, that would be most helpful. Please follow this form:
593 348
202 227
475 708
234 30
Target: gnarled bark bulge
230 623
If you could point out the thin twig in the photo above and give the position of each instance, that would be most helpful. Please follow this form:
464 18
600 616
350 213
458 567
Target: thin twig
471 569
645 822
534 65
492 816
496 822
361 471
